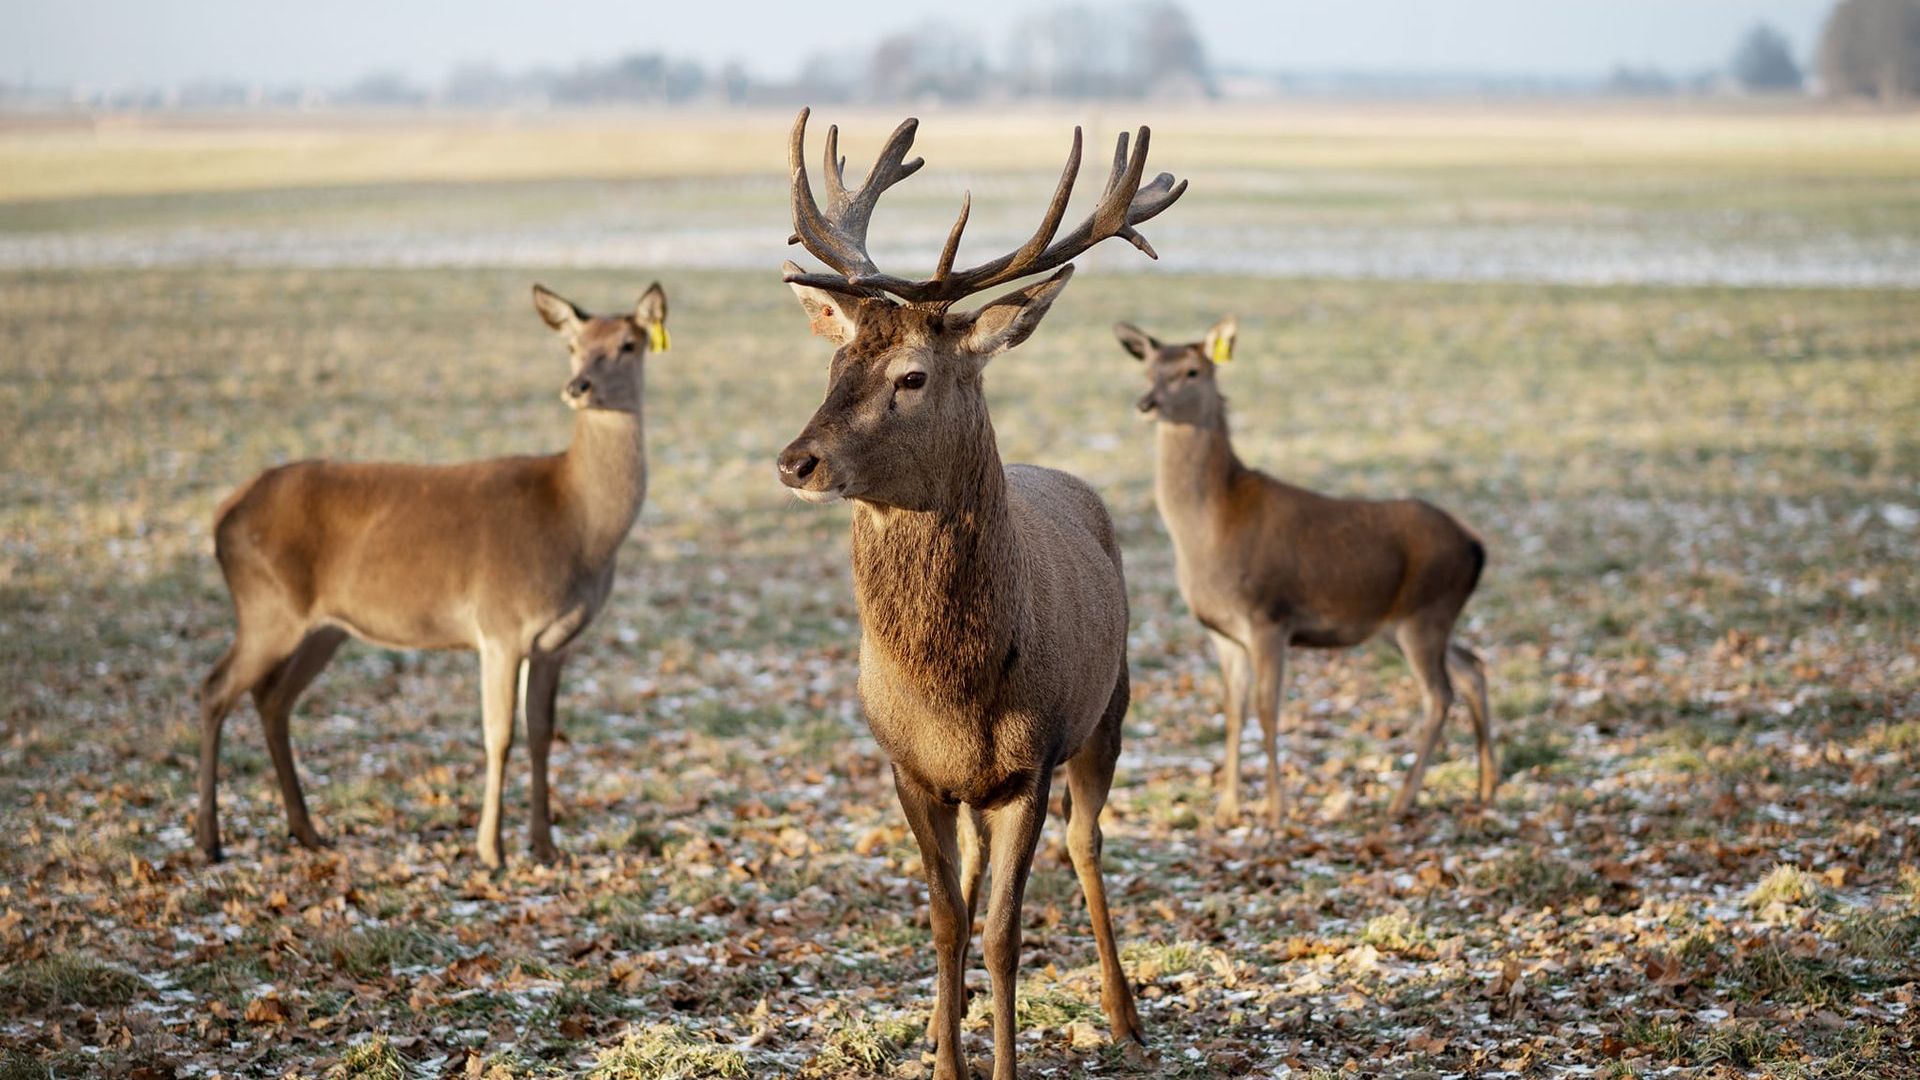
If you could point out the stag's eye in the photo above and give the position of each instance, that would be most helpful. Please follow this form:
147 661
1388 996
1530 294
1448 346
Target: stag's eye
913 380
1193 373
626 346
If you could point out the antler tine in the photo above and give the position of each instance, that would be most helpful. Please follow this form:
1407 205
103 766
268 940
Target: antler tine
1111 215
835 168
1119 164
945 266
889 168
810 227
1049 225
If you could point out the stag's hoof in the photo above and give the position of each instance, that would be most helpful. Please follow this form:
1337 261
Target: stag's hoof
1226 815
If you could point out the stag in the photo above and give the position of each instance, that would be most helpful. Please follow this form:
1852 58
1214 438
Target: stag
992 603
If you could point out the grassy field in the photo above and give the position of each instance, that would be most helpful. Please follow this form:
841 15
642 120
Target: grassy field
1702 507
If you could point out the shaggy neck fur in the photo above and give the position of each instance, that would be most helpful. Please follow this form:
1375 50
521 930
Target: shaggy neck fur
603 478
938 589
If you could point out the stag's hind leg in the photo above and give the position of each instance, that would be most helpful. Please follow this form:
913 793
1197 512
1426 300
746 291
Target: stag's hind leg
1470 672
274 697
1425 647
1089 778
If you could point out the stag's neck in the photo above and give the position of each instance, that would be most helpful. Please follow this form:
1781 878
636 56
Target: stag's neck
1196 467
938 588
604 478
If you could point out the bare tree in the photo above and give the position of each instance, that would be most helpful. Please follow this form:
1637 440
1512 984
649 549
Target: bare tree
1872 48
932 61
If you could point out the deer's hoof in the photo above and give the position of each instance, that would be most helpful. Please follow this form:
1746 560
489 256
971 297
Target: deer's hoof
312 841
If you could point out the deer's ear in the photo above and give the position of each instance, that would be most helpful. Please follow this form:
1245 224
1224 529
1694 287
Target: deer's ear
1219 343
834 316
1003 323
558 312
651 312
1135 340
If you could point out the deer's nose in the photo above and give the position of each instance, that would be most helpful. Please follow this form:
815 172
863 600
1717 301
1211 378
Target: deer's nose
796 464
1148 403
579 387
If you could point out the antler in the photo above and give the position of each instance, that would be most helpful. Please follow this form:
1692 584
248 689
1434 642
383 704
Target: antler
839 236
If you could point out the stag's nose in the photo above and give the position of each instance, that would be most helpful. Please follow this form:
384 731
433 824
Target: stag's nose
579 387
796 464
1148 403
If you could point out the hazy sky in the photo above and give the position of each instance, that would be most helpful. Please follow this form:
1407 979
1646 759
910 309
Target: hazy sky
109 42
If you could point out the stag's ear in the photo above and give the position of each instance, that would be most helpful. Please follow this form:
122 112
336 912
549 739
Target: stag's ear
1135 340
991 330
558 312
651 313
833 315
1219 343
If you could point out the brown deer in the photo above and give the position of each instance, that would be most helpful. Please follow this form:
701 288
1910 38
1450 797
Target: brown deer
992 604
511 557
1265 565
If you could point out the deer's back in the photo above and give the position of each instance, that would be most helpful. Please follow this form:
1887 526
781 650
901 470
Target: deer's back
417 556
1332 569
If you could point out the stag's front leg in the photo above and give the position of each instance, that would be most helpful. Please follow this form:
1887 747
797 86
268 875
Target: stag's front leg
1013 830
933 825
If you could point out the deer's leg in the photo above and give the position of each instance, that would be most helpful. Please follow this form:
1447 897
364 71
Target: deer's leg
1269 689
1236 674
971 838
499 686
933 828
1425 647
1466 668
543 686
1089 778
248 660
275 697
1013 830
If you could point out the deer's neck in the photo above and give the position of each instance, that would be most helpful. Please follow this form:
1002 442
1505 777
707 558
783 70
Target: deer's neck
1196 467
604 478
938 589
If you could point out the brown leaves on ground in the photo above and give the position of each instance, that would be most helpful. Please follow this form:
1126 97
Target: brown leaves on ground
1699 620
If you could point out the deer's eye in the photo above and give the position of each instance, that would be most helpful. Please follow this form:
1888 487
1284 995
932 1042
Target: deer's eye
626 346
1193 373
913 380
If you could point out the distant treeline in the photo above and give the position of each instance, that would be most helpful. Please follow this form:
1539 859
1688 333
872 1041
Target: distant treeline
1146 50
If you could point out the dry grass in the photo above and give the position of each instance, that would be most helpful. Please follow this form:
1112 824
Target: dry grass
145 155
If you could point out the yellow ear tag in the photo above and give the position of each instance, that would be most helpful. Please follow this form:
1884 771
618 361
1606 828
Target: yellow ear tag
1222 350
657 339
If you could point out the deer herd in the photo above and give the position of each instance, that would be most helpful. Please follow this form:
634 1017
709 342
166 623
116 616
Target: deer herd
992 599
